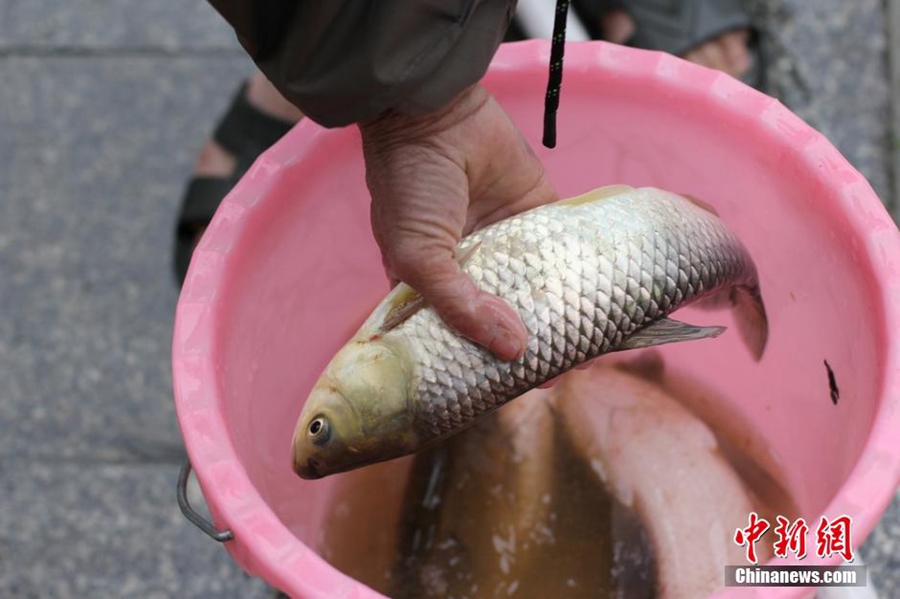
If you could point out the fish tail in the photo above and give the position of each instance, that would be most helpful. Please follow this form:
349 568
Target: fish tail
750 316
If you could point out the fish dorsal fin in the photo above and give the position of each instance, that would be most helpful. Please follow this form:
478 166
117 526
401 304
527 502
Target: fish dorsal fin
597 194
700 203
407 301
668 331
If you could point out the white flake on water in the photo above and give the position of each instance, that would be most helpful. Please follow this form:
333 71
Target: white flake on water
597 466
504 564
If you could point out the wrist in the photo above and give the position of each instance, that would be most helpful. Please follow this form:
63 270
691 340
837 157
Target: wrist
394 125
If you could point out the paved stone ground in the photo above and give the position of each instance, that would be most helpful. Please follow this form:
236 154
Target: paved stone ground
827 61
103 106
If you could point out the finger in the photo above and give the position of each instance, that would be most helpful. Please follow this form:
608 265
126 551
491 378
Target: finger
713 56
742 35
586 365
734 45
521 185
693 56
477 315
550 383
698 56
618 26
393 279
702 55
542 193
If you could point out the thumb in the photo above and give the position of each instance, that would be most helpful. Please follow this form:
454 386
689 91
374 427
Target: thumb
431 268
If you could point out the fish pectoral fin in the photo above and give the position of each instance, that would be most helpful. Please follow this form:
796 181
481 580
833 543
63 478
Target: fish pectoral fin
668 331
463 255
407 301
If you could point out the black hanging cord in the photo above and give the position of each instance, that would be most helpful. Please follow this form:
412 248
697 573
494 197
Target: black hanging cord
554 82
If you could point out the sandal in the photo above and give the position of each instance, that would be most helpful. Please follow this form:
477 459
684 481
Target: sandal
678 26
245 132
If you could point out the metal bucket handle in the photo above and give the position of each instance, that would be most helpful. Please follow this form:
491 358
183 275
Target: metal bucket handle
191 514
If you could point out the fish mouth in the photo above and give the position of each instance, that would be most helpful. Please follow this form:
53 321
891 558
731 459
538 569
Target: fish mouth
306 467
309 469
312 468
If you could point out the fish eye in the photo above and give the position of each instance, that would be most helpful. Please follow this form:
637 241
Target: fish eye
319 431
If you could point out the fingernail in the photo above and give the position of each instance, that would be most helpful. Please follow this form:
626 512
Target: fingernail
506 345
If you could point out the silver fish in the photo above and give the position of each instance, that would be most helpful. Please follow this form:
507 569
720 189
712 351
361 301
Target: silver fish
589 275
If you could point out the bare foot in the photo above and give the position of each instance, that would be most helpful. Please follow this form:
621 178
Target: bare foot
727 52
215 161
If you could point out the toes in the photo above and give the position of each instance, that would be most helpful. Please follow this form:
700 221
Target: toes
214 161
727 53
618 26
693 56
735 48
712 56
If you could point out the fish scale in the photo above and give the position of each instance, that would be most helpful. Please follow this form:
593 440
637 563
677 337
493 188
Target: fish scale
601 270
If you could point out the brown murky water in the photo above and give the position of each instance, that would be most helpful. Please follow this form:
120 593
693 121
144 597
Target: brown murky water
513 507
493 525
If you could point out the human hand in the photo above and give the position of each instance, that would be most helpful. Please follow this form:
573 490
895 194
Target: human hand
433 180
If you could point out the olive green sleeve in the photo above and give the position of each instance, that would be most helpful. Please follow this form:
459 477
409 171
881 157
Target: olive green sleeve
346 61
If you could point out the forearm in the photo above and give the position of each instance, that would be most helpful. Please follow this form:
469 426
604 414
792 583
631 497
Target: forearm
347 61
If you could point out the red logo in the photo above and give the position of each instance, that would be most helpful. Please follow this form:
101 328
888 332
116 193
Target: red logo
791 537
834 537
750 535
831 537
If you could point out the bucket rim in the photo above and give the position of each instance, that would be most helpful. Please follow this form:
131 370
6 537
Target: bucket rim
264 546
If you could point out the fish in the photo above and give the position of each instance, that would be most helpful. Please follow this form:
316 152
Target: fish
590 275
479 508
664 463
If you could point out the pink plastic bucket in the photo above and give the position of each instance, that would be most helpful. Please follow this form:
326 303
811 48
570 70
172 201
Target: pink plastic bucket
289 266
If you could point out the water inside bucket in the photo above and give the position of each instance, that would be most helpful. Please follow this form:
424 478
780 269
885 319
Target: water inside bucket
516 507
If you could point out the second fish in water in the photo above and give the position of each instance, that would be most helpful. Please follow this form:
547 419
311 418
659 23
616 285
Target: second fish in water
590 275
